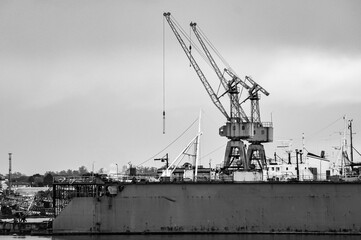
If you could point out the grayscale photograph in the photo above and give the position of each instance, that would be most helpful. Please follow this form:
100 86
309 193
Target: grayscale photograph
171 119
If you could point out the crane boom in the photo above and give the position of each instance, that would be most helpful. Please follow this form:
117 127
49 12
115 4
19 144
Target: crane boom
236 79
256 87
237 111
199 72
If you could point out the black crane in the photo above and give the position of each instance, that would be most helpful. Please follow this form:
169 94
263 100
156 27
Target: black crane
238 127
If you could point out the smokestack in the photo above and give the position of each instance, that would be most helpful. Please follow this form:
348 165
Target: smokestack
10 172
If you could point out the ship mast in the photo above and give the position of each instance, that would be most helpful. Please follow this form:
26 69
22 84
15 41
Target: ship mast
197 146
351 145
344 148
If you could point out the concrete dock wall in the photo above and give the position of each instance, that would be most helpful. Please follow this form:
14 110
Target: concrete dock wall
220 207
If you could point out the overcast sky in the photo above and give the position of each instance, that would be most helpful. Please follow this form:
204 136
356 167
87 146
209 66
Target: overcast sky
81 81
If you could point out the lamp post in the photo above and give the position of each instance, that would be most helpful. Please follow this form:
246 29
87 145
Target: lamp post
117 170
93 168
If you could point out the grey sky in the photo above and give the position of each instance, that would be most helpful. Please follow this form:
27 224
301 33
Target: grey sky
81 81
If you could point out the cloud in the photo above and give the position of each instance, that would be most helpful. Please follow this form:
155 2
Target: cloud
40 83
306 76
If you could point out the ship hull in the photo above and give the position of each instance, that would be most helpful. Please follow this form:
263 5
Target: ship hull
319 207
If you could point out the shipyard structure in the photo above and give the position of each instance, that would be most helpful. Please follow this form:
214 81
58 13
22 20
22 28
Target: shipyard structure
254 207
246 193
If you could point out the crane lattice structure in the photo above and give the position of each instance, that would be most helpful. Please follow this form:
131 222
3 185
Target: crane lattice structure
239 127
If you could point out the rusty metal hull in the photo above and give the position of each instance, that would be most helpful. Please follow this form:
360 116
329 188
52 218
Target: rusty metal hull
219 207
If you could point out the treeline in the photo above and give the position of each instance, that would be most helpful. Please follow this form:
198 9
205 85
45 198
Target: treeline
81 171
146 170
41 180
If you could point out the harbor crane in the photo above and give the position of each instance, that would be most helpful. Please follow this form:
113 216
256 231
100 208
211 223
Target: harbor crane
239 127
263 131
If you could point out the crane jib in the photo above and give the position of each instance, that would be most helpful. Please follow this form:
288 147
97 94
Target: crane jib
231 90
199 72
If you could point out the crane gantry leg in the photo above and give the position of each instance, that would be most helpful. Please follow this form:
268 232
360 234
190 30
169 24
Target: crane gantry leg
256 154
235 155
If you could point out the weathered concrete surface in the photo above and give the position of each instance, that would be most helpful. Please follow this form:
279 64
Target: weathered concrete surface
219 207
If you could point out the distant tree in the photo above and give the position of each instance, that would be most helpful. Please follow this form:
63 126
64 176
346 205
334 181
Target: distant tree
14 175
146 170
48 179
83 170
50 172
22 178
31 179
36 180
39 181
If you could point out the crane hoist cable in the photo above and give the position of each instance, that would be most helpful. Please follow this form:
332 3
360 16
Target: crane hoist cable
191 43
213 48
218 54
214 150
207 86
194 44
163 76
